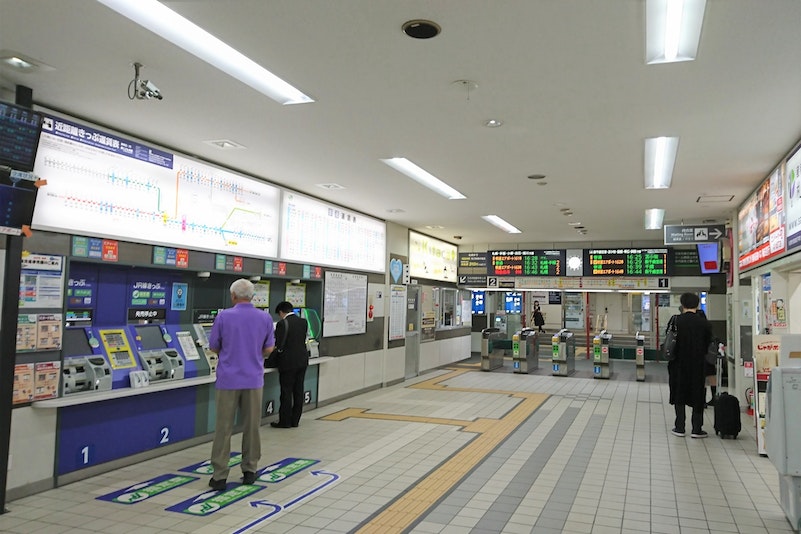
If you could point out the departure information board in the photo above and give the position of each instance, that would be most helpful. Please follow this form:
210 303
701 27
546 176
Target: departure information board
527 263
627 262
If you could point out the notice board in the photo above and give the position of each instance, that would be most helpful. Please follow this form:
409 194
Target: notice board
345 304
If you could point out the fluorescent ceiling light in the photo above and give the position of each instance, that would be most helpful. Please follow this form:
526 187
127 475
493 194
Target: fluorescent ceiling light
654 218
168 24
672 30
660 158
423 177
500 223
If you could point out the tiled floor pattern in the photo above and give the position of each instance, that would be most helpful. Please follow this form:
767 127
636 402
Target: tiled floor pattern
595 457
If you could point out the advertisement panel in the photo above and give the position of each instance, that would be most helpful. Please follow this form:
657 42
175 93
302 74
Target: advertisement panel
761 223
793 194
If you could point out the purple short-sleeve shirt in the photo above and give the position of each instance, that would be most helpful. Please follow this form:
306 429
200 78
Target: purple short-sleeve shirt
240 334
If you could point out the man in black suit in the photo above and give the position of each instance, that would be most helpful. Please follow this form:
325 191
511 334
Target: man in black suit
293 358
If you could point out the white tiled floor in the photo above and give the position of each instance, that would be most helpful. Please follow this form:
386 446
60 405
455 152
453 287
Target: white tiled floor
597 456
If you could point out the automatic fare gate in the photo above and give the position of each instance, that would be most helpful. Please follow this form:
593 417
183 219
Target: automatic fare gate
601 365
491 356
639 356
563 344
525 351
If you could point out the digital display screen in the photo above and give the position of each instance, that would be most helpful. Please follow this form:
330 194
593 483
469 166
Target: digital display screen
150 337
478 302
17 200
75 343
627 262
527 263
709 257
19 136
513 302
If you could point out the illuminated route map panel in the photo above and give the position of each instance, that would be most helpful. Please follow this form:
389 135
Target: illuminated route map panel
324 234
99 183
627 262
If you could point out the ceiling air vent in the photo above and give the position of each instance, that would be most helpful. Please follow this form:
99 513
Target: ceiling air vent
331 186
224 144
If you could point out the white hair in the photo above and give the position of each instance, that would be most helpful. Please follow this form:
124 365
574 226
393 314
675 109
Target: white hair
242 289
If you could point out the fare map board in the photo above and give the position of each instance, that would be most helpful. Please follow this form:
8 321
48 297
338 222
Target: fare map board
527 263
627 262
99 183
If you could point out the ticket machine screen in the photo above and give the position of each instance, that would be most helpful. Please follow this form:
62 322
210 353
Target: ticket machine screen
150 337
75 343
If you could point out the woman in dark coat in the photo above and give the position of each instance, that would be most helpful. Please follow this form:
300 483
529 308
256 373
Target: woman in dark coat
539 319
686 374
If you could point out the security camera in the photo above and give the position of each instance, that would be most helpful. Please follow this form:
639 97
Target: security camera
148 89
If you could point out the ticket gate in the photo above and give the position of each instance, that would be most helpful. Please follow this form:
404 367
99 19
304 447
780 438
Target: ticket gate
601 365
639 356
491 356
563 344
525 351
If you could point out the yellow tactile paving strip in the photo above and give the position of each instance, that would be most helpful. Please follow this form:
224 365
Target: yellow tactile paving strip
491 432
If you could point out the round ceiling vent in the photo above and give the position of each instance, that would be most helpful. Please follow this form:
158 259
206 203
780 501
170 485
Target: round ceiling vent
421 29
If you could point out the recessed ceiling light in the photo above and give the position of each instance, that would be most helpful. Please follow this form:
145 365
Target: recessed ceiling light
423 177
502 224
579 228
542 183
225 144
493 123
536 177
574 223
714 198
421 29
567 213
331 186
564 210
434 227
654 218
396 210
21 62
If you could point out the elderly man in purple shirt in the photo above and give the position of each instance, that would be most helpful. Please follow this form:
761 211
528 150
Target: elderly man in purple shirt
242 336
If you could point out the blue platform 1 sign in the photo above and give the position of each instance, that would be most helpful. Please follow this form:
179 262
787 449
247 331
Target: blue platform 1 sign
211 501
147 489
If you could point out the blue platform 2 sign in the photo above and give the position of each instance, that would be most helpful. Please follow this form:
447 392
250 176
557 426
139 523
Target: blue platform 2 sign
205 468
211 501
147 489
284 469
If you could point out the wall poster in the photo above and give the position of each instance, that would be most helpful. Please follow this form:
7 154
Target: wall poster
344 304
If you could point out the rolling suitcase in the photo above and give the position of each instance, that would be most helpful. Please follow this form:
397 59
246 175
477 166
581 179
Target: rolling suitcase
727 407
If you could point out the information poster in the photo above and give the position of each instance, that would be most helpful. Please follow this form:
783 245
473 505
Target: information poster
324 234
431 258
48 331
793 195
261 295
296 294
46 376
26 332
98 181
761 223
23 383
397 312
41 281
345 297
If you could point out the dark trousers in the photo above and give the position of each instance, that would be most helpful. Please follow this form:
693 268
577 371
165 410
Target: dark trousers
697 417
291 382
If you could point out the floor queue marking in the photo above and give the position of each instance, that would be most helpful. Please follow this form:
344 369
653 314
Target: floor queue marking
407 508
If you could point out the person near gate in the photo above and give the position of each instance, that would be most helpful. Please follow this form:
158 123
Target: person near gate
686 373
292 359
242 336
537 317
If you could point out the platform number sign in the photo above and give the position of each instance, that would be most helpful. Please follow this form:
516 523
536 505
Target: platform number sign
86 455
164 435
307 397
269 408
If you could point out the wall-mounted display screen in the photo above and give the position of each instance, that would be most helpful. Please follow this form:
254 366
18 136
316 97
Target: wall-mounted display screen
75 343
513 302
761 223
19 136
100 183
431 258
17 201
627 262
709 257
150 337
478 304
527 263
324 234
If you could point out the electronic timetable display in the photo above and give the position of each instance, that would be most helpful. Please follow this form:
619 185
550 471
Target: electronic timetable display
527 263
627 262
19 136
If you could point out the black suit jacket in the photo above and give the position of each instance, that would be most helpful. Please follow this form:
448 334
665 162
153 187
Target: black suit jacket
290 340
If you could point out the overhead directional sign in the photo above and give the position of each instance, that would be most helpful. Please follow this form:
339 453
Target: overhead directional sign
680 234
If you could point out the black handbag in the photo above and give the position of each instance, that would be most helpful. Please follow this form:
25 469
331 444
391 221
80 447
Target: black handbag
669 347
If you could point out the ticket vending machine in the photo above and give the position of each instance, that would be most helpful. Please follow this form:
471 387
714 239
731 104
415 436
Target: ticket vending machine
159 358
202 332
563 345
183 339
85 368
120 355
601 365
313 333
